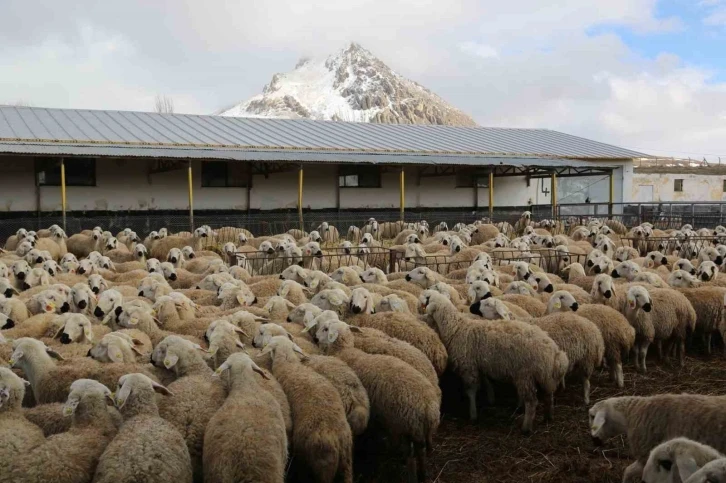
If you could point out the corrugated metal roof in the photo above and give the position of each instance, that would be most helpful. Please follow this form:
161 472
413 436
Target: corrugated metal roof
31 130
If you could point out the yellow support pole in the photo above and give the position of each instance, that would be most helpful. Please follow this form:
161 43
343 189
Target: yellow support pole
612 193
63 191
300 197
191 196
491 196
554 195
402 181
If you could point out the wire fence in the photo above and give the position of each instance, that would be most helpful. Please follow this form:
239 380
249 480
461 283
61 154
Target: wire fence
675 246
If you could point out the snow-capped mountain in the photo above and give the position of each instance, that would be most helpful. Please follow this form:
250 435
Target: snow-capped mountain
351 85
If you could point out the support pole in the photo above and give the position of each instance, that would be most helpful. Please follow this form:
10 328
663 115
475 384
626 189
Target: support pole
300 197
402 182
191 196
63 191
491 196
554 195
612 194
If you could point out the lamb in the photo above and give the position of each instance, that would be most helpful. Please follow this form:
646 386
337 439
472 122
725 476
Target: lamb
14 309
392 303
528 357
196 395
648 421
71 456
245 440
224 340
52 383
322 436
77 328
121 347
127 457
400 325
674 320
618 335
403 400
292 291
17 434
679 456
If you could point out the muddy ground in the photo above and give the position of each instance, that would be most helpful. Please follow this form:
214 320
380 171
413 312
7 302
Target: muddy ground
494 450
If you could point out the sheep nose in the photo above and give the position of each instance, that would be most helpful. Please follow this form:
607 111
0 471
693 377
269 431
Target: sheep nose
550 245
647 307
615 274
282 278
9 324
664 261
486 295
408 277
356 309
319 254
82 304
98 312
21 276
173 260
26 286
574 307
347 251
549 288
95 290
141 293
597 269
446 243
65 339
88 354
474 309
288 319
152 270
608 294
39 260
191 255
719 260
526 276
8 293
362 279
704 277
693 271
270 251
590 263
172 277
254 301
65 307
458 249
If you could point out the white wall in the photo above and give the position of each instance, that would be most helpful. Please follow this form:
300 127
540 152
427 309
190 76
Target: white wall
126 185
696 187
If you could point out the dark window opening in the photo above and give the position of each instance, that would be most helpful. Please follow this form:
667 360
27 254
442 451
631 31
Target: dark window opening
471 177
678 185
79 171
359 177
221 174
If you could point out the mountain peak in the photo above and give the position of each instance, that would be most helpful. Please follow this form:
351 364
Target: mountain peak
350 85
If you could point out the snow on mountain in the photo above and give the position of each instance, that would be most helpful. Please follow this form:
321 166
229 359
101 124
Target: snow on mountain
351 85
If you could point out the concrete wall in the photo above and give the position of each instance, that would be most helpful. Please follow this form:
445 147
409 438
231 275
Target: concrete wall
659 187
124 184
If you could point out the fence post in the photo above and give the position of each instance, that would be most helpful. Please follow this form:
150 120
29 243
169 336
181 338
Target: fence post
403 192
612 194
300 197
191 196
491 196
63 191
554 195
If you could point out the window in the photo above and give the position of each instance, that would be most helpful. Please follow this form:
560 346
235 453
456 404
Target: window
678 185
79 171
471 177
221 174
359 177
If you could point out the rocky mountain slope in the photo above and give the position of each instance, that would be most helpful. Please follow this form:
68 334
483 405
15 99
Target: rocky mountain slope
351 85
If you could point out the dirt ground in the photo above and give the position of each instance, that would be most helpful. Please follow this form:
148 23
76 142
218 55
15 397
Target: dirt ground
494 450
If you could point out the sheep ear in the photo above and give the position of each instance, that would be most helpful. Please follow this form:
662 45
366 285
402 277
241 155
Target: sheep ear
289 304
161 389
170 360
239 344
240 331
686 466
136 341
88 333
429 275
502 311
114 353
59 332
54 354
259 371
332 336
356 329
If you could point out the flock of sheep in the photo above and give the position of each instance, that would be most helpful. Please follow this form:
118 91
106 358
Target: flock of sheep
219 356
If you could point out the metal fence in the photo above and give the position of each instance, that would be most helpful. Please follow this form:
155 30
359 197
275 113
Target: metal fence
682 248
661 215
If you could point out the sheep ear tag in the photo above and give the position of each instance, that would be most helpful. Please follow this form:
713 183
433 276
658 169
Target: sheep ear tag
170 360
558 304
241 299
49 307
631 302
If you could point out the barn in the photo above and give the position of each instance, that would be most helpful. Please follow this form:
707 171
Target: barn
83 165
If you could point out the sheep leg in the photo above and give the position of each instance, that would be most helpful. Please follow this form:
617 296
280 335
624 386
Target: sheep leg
659 350
420 450
586 388
633 472
549 407
619 380
411 465
681 350
708 343
530 408
490 391
471 390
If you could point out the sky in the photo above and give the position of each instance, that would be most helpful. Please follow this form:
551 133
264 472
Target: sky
648 75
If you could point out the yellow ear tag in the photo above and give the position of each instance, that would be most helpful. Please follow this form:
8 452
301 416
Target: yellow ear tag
558 304
213 350
11 362
168 363
118 355
67 411
241 299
